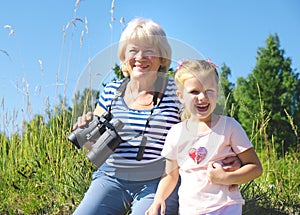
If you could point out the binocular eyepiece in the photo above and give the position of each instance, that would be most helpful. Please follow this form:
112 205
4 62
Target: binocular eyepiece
103 133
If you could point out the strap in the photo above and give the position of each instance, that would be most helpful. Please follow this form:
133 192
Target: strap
121 88
159 85
119 91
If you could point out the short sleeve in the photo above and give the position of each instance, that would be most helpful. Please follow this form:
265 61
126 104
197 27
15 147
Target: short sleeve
239 139
108 94
171 143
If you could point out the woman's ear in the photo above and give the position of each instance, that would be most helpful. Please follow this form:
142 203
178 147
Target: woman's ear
180 96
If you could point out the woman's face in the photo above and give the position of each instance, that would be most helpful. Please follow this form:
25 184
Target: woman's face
142 59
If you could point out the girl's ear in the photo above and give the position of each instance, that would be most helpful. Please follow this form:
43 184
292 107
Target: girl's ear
180 96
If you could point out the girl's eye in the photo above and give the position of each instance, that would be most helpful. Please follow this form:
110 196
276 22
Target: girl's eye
210 92
194 92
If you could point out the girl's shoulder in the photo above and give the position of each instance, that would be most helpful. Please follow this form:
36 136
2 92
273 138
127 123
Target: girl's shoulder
178 126
227 119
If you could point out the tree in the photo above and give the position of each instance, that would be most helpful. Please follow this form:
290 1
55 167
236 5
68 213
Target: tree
268 93
228 89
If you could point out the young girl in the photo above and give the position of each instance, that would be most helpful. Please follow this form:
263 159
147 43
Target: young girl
195 147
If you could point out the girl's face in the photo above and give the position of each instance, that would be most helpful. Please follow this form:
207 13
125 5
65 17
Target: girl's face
142 59
199 95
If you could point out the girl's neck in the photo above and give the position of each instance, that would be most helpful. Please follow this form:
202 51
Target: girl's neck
197 126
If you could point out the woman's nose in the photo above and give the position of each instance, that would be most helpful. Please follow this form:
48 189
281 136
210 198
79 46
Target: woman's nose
139 54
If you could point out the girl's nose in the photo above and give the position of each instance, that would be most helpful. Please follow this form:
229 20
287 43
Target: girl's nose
201 95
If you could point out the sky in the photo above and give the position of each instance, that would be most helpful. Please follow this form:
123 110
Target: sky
47 47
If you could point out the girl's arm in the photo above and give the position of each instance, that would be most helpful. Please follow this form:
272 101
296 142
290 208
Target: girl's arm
251 169
165 188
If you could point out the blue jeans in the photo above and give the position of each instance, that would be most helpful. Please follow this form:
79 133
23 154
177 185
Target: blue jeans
112 196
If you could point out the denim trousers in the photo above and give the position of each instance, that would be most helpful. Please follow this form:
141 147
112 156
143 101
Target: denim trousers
108 195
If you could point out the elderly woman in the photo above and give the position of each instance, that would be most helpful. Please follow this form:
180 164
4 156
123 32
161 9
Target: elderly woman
146 102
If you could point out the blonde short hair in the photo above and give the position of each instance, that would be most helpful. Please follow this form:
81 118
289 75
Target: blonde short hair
149 32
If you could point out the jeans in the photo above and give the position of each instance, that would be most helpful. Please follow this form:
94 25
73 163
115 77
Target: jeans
112 196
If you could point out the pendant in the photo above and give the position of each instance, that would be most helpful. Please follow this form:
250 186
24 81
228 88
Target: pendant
198 155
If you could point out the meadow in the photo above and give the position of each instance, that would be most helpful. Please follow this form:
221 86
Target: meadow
43 173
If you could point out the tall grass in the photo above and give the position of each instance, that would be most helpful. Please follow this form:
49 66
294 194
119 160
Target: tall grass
277 191
43 173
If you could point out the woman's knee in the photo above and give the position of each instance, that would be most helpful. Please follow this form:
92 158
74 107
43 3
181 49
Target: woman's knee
105 196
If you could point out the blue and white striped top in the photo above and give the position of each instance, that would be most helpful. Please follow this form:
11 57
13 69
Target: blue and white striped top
122 163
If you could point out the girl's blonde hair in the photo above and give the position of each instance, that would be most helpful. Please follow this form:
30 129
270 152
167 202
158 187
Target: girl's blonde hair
189 69
148 32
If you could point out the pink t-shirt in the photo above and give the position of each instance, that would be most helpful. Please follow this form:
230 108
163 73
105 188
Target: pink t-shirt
196 194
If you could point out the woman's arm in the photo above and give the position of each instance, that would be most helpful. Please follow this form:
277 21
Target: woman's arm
251 169
165 188
99 111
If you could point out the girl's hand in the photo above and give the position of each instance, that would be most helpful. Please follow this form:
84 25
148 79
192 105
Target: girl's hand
155 207
216 174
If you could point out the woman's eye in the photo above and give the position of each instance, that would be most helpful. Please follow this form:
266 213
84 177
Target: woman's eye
149 52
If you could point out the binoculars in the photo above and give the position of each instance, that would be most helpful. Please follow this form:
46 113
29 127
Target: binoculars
103 133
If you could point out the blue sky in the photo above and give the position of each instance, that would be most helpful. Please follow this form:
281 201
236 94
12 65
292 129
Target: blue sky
42 56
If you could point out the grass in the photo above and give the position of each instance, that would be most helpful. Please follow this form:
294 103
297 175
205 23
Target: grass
43 173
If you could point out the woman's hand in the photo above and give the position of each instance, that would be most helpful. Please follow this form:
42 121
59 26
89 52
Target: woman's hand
83 120
231 164
86 118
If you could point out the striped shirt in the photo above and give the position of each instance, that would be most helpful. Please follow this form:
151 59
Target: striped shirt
122 163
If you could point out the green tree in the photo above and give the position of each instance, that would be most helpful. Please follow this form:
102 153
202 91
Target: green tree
227 88
268 93
118 72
